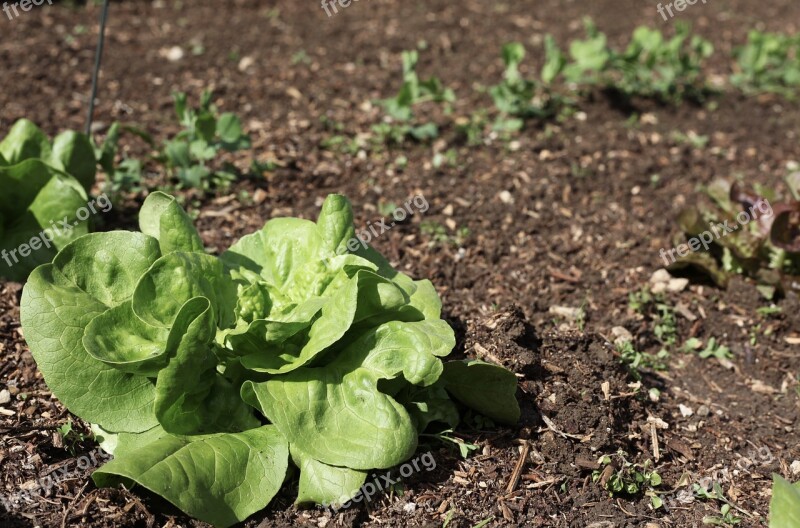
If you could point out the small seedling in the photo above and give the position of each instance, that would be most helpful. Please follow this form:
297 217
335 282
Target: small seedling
439 234
448 437
517 98
205 133
399 124
726 517
715 350
666 327
620 477
769 62
70 437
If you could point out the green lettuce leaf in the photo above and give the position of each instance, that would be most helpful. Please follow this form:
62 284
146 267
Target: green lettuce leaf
164 219
487 388
221 479
324 484
36 198
91 275
25 141
337 415
784 509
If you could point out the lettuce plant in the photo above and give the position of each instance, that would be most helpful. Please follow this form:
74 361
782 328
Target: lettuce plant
211 378
43 184
518 98
400 109
768 62
205 133
652 65
746 233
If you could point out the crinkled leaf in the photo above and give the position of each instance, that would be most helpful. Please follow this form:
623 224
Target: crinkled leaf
178 277
89 276
347 301
337 415
120 339
221 479
336 316
335 224
394 348
191 397
277 251
338 418
164 219
486 388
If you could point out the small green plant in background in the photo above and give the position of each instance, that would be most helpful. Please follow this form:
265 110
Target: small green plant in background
439 235
768 62
205 133
655 307
634 360
399 110
713 349
652 65
664 68
666 324
518 99
725 518
589 57
448 437
640 300
125 176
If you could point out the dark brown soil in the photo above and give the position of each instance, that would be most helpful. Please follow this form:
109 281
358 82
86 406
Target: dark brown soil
579 226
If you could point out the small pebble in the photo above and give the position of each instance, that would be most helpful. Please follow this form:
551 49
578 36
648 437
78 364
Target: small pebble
703 410
5 397
505 197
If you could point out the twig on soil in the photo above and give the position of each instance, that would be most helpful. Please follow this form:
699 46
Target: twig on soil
563 276
483 353
654 438
73 501
514 481
550 425
29 428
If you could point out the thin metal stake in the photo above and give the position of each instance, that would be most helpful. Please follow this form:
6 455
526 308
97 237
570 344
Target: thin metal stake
97 59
